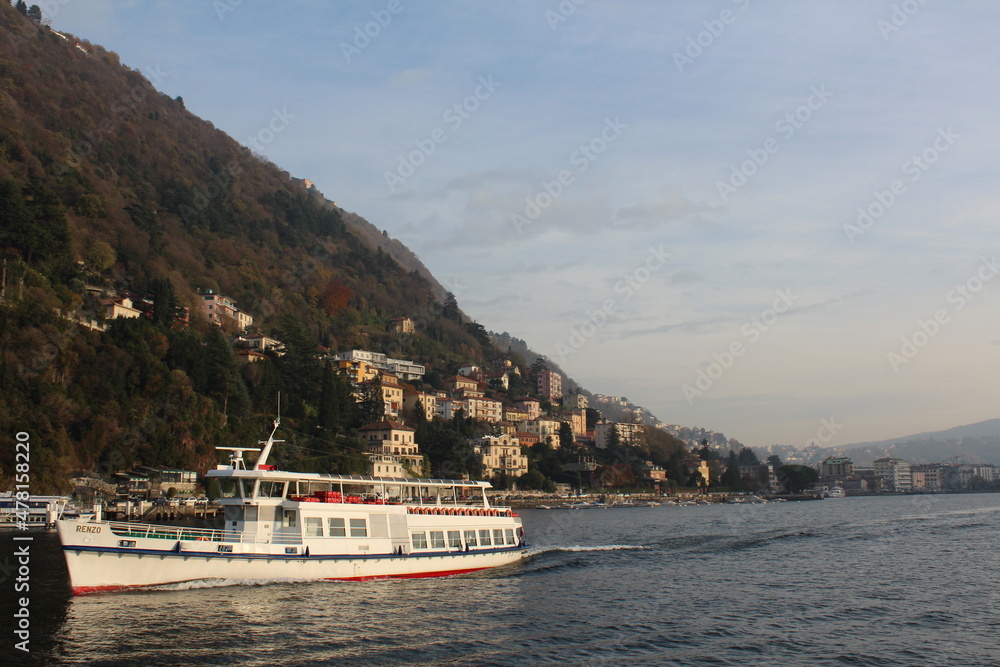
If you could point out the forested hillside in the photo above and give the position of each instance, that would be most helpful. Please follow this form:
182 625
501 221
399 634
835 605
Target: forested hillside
108 187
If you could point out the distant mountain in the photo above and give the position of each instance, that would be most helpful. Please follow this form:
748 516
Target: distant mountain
973 443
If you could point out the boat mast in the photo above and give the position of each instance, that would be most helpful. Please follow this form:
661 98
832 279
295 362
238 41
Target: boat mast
262 459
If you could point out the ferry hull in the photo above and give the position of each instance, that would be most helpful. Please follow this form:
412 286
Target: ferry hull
100 568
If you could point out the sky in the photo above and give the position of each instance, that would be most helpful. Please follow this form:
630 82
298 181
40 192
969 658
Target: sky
776 220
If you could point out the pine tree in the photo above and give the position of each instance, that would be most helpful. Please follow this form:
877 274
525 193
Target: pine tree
22 7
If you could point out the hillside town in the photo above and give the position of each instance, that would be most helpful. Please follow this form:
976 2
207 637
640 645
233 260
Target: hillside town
538 416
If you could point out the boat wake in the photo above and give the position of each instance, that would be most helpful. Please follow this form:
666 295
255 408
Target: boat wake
535 551
221 583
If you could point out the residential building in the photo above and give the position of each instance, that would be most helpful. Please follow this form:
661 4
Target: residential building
526 439
115 308
501 455
760 477
428 401
402 325
221 310
925 477
836 466
530 405
261 342
390 443
503 362
550 385
696 464
403 368
542 429
249 356
392 394
445 408
516 415
628 434
577 400
163 479
470 371
457 383
649 474
358 372
895 472
577 419
485 409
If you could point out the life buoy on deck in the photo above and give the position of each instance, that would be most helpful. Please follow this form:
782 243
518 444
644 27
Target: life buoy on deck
203 539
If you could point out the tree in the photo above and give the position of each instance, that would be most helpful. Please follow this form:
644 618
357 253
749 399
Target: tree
35 13
566 438
798 478
371 408
329 404
731 478
164 301
748 458
450 310
22 7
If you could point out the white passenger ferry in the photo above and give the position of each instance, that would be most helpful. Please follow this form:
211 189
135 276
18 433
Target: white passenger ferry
302 527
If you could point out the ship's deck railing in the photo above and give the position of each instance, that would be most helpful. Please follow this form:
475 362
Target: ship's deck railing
184 533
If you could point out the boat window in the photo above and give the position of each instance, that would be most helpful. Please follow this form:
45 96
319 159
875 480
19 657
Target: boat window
509 532
289 519
448 495
227 488
419 540
359 528
484 538
498 536
454 539
470 538
437 539
271 489
336 527
247 487
314 526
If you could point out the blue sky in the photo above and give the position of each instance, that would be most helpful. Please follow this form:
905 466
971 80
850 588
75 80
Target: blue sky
666 198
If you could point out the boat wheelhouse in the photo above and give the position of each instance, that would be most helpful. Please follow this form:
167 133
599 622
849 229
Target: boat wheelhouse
281 525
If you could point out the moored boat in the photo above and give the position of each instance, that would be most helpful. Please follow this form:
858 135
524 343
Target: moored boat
302 526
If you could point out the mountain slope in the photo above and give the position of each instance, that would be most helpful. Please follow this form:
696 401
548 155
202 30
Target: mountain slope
109 188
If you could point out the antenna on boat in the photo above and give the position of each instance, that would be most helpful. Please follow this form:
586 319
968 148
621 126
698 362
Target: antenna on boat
262 459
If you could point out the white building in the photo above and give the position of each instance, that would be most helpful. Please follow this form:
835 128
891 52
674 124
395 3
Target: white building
895 472
403 368
501 455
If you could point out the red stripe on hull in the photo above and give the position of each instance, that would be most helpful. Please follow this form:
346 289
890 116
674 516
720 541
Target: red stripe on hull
416 575
87 590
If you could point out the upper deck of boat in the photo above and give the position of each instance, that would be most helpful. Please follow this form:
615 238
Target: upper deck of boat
284 475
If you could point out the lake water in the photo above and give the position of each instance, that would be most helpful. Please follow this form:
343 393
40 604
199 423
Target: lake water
912 580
